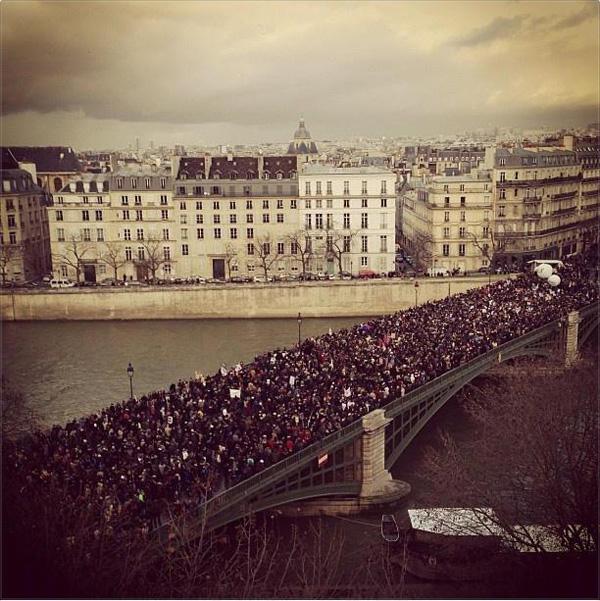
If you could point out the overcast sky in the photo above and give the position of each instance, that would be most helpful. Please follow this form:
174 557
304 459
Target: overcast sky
99 74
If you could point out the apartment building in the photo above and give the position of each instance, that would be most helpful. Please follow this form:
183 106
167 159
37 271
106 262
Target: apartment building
538 207
237 216
446 221
24 238
348 214
121 224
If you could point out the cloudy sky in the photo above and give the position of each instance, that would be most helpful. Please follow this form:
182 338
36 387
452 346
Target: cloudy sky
99 74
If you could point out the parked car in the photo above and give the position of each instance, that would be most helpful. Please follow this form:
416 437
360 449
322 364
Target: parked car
237 279
59 283
484 270
110 282
367 274
346 275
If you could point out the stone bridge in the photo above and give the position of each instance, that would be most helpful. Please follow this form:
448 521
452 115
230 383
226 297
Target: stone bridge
349 470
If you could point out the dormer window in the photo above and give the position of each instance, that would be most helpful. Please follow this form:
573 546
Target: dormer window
293 175
183 175
217 175
147 182
163 182
119 182
250 175
279 175
134 182
233 175
266 175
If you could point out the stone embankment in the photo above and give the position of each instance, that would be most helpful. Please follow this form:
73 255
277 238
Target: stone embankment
213 301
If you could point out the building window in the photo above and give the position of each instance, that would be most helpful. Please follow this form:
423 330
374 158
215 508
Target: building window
319 221
250 233
100 234
462 187
346 221
463 216
318 203
462 232
280 248
86 234
502 176
445 250
364 261
364 244
486 215
329 222
307 203
233 233
147 183
59 217
346 187
98 215
318 190
461 250
248 205
347 241
139 215
86 200
329 188
294 248
308 221
364 203
124 200
199 218
217 233
198 205
446 232
346 203
198 190
64 270
265 204
200 233
463 200
279 217
501 209
182 219
232 205
216 218
128 253
137 200
364 220
383 186
184 233
165 234
119 183
216 205
126 234
383 247
384 203
164 214
265 218
233 218
85 215
486 231
364 187
60 233
141 253
181 190
250 248
307 188
266 247
249 218
293 204
126 214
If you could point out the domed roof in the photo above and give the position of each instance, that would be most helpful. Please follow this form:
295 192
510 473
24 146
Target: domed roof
302 144
301 133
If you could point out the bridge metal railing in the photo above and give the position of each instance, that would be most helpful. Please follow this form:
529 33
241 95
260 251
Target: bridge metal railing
246 489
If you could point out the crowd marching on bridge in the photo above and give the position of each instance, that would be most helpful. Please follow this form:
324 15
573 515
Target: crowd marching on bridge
204 435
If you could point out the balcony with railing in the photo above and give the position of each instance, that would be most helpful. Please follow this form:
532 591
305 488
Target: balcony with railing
547 181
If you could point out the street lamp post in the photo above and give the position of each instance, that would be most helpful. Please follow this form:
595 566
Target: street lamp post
416 294
299 326
130 374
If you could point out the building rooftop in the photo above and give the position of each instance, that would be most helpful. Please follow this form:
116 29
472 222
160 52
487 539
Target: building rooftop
333 170
48 159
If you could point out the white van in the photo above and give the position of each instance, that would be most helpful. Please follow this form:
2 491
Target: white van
61 284
434 272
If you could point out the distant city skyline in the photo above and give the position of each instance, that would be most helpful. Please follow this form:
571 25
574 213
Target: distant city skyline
101 74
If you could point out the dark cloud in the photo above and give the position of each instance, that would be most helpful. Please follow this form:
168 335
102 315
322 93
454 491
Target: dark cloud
499 28
200 68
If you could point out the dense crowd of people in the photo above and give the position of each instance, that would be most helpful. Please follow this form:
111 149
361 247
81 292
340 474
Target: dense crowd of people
207 434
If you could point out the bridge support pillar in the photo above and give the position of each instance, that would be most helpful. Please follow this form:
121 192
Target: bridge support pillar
571 350
374 475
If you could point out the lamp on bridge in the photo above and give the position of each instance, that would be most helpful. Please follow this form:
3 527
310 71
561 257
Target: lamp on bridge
416 294
130 374
299 326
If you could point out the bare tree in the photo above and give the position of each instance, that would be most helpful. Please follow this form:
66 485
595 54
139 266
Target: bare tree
301 243
8 252
154 255
263 249
73 254
337 244
533 459
421 246
230 254
113 256
492 246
